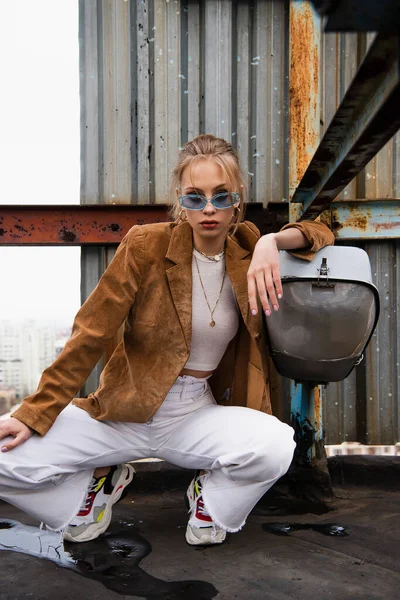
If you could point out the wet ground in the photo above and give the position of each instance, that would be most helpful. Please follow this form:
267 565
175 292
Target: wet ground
349 553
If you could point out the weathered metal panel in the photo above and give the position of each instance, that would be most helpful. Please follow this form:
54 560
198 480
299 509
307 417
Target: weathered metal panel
340 410
167 89
142 46
243 134
365 407
217 87
191 92
382 365
268 63
342 54
155 74
89 92
116 119
339 62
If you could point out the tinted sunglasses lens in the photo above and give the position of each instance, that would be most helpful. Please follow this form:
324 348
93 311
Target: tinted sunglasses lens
192 202
223 200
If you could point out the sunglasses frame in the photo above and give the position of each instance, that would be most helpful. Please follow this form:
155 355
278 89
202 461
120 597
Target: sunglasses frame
234 195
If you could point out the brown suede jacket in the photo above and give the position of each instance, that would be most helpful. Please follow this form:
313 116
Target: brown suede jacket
148 285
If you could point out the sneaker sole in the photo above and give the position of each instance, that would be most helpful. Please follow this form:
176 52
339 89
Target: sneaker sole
205 539
102 526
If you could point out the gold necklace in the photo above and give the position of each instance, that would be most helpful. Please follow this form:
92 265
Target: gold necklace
213 257
212 322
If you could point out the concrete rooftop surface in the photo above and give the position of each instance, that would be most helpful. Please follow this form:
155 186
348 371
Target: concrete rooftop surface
144 553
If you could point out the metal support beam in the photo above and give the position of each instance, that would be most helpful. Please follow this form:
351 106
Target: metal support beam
74 225
304 90
360 15
306 420
103 225
304 134
366 119
364 219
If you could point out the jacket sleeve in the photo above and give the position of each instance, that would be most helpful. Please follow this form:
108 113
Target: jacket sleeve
94 325
318 235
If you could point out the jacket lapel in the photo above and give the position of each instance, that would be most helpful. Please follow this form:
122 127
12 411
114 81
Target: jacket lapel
180 276
237 260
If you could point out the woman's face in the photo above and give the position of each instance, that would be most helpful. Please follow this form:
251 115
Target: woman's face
210 225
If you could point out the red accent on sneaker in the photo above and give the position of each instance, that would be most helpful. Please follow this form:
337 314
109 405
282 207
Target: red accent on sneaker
200 511
88 505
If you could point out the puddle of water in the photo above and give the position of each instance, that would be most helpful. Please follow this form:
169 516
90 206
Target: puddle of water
113 559
324 528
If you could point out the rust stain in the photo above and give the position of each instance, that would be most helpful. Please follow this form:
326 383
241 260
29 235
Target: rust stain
66 235
357 220
390 225
317 406
303 91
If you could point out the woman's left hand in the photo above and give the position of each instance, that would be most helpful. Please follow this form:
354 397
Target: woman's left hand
263 276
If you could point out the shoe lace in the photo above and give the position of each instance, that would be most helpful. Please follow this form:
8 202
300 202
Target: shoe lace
87 500
201 508
197 502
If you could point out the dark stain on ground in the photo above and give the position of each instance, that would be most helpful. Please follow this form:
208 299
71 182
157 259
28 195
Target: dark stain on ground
324 528
112 559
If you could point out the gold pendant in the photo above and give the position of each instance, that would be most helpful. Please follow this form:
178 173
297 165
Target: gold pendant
212 323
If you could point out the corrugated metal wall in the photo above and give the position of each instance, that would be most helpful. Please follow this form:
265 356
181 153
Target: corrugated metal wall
155 73
366 406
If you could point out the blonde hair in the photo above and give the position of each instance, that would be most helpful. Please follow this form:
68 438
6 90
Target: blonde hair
202 147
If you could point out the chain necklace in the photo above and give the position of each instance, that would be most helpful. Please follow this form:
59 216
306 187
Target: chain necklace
213 257
212 322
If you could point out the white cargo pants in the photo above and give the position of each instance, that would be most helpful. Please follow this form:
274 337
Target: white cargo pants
244 451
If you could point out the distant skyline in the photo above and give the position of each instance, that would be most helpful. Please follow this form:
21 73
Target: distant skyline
39 149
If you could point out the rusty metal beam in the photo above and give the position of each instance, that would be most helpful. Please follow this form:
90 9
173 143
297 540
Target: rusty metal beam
75 224
364 219
366 119
304 91
360 15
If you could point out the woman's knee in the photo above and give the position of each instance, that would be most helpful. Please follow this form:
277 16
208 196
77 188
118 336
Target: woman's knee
273 454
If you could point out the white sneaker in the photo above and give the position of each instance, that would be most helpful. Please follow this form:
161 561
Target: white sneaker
201 529
95 514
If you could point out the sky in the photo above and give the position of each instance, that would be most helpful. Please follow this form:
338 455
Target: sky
39 149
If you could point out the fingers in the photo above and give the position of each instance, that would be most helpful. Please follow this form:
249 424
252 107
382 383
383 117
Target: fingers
18 439
252 292
267 284
17 430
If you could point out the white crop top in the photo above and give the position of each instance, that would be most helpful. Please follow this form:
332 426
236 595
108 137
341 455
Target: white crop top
209 343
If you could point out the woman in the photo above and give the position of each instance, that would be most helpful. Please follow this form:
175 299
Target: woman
183 383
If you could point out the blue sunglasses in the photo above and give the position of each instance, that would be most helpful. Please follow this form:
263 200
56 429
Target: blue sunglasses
198 202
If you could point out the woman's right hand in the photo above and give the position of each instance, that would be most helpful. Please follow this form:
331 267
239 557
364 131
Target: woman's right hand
18 430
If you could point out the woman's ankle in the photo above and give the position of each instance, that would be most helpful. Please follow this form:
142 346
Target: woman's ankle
101 471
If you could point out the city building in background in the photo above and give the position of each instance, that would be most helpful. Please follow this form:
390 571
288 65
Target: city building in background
26 349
